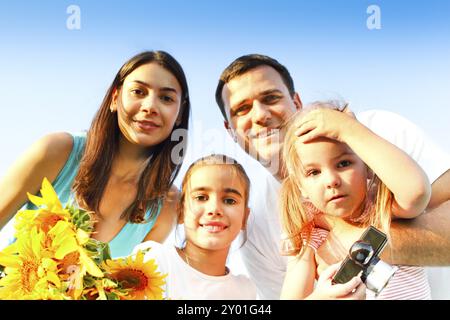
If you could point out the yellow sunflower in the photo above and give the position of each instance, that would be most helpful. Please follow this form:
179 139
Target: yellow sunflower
50 211
105 289
29 269
138 277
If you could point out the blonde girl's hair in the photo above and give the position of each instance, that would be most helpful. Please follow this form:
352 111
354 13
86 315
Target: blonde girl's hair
214 159
297 222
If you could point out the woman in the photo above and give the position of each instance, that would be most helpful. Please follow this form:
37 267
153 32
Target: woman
122 167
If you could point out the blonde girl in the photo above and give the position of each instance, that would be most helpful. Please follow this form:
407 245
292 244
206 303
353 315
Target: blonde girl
338 171
214 210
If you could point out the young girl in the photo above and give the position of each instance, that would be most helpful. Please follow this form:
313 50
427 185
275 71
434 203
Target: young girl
214 210
340 172
122 168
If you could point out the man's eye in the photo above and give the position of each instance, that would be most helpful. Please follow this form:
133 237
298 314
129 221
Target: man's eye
242 110
344 163
229 201
270 99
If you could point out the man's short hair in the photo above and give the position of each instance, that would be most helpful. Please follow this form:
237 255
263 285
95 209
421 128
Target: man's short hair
246 63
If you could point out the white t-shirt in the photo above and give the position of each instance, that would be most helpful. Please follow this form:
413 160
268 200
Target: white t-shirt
186 283
260 253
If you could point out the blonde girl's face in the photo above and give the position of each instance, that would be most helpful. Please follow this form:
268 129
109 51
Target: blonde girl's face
147 105
214 207
333 177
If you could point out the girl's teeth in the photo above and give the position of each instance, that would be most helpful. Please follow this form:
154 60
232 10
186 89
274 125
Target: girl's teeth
213 228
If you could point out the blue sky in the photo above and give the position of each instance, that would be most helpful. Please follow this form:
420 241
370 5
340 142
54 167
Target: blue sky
53 78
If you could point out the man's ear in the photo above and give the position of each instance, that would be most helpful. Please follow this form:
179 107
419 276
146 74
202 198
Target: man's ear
230 130
297 101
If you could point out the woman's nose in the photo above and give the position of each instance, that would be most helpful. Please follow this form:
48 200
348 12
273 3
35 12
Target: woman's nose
149 105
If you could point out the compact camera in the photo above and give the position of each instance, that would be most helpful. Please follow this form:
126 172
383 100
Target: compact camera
363 258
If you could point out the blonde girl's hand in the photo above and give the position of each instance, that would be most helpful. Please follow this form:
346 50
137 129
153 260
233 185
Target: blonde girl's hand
326 123
326 290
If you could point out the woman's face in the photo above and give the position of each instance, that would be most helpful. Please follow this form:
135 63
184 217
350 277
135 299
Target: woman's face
147 105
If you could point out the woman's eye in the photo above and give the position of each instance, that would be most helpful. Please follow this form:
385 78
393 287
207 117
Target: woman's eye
167 99
344 163
137 92
230 201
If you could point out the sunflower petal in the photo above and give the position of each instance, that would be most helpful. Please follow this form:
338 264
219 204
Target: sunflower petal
66 247
37 201
49 194
90 265
9 261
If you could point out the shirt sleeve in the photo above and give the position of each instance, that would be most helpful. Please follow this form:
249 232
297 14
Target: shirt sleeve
318 236
410 138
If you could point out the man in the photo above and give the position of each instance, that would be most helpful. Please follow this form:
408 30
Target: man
256 95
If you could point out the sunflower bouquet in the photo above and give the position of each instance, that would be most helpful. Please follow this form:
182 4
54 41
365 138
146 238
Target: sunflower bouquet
54 257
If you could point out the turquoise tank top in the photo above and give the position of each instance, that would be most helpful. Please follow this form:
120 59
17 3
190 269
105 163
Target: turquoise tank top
131 234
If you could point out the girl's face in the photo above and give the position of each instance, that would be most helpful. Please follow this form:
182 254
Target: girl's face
147 105
214 207
333 177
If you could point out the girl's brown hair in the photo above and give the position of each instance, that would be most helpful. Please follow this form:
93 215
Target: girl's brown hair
297 223
103 140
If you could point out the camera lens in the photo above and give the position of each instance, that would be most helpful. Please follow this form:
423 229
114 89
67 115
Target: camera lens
361 252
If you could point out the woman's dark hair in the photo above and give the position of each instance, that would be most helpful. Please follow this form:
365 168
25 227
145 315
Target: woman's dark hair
103 141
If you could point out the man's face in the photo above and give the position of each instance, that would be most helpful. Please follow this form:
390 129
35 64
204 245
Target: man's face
257 103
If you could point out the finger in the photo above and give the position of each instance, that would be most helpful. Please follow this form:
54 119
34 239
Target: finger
309 136
329 272
346 289
358 294
304 128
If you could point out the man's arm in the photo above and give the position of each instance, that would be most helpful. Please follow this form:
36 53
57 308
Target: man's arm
423 241
440 190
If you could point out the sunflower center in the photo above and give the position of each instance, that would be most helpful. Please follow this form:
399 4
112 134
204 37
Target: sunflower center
49 222
28 273
132 279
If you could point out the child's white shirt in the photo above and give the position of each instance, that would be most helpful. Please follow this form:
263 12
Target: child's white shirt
186 283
